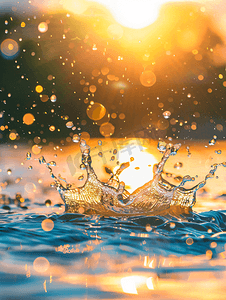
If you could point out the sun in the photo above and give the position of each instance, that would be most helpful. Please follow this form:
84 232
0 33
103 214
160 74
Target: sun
140 170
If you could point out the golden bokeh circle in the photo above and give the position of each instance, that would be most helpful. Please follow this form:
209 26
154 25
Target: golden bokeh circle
96 111
28 119
107 129
41 264
47 225
9 47
147 78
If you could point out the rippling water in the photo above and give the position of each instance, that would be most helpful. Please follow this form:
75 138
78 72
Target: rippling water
94 257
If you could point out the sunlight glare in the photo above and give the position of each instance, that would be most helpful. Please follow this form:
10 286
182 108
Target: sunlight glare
129 284
140 170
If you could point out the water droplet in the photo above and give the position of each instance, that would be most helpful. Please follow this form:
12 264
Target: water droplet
178 165
178 178
30 168
161 146
52 163
42 160
83 143
42 27
81 177
53 98
212 142
99 142
69 124
113 158
18 180
166 114
28 156
148 227
48 202
82 167
115 151
169 175
9 171
172 225
75 138
100 154
218 151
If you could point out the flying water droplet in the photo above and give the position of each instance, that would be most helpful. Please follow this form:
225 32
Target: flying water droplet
30 168
9 171
188 149
178 165
42 160
100 154
75 138
166 114
28 156
82 167
212 142
161 146
218 151
52 163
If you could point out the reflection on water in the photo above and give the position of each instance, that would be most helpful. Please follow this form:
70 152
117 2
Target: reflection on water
87 257
47 253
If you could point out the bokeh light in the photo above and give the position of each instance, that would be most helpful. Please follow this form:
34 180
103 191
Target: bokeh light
9 48
96 111
47 225
107 129
41 264
147 78
43 27
36 149
44 98
28 119
39 89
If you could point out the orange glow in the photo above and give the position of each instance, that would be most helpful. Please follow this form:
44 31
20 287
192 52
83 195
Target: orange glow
12 136
28 119
39 88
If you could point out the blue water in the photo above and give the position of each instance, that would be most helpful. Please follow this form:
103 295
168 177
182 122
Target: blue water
76 239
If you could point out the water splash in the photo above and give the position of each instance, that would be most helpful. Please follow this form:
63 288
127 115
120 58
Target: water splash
111 198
